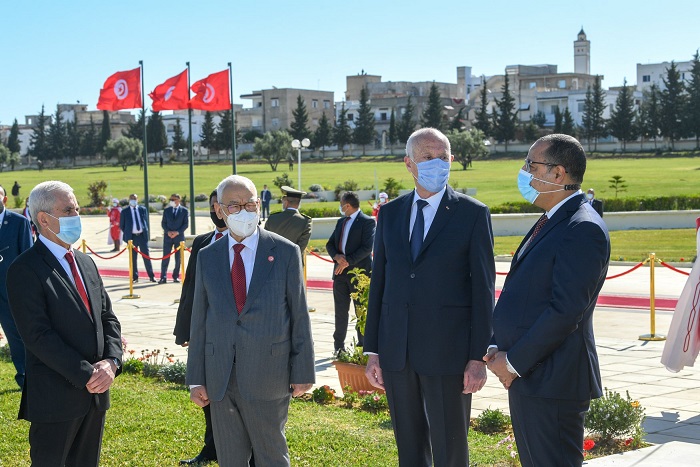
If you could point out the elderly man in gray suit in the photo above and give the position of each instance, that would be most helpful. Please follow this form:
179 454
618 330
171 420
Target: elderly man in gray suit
250 339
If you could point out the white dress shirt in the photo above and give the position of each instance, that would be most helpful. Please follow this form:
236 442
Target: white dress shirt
429 211
247 253
346 229
134 224
60 253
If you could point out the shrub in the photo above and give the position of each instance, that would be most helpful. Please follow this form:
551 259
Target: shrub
348 185
315 187
350 397
5 353
202 197
353 355
492 421
96 192
392 187
132 366
323 394
373 402
174 373
612 417
283 180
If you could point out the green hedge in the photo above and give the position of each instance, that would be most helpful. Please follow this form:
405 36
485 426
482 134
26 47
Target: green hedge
662 203
330 211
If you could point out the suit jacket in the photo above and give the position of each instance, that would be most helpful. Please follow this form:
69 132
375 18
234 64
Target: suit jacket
435 311
126 223
184 310
358 248
292 225
62 341
179 222
598 206
15 237
544 315
270 341
265 196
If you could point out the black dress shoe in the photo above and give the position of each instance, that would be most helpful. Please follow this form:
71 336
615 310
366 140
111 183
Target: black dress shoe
136 279
162 281
177 281
199 459
152 279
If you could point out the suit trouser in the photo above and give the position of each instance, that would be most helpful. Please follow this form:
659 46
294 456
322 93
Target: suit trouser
14 340
342 288
72 443
548 431
168 245
242 426
209 449
140 241
430 415
265 212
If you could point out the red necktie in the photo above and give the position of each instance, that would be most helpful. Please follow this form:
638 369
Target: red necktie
218 236
538 227
238 277
78 282
342 232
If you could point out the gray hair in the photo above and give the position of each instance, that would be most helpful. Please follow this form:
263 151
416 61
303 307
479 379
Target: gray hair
235 181
43 198
426 133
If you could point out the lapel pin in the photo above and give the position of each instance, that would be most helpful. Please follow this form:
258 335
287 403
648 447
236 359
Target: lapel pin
270 258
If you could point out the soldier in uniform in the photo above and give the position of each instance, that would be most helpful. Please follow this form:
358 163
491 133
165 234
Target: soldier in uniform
290 223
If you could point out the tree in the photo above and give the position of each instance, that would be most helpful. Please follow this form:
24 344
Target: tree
618 184
56 138
651 123
4 156
207 137
530 131
125 150
364 127
299 127
672 105
540 118
274 147
393 130
179 141
224 131
135 130
407 124
558 120
13 139
504 118
37 142
482 121
593 108
157 136
105 133
342 133
456 123
693 102
622 117
467 145
567 126
88 146
432 114
324 134
73 140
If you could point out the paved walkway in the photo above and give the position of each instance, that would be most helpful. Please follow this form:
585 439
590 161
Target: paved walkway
672 401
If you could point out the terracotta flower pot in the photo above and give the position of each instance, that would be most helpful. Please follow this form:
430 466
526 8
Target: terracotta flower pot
353 375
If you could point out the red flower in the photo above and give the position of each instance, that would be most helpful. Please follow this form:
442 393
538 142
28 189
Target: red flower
628 441
588 444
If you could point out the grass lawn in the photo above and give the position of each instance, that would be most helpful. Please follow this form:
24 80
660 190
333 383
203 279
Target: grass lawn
495 180
154 424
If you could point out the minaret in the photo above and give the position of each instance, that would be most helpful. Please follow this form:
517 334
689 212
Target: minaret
582 54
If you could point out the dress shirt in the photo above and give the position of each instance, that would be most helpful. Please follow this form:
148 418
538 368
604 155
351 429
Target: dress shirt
247 253
213 237
60 253
346 229
134 224
429 211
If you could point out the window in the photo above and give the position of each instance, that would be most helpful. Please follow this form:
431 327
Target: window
259 104
581 107
554 109
326 104
350 117
532 85
382 116
562 84
314 122
275 122
275 102
646 78
314 104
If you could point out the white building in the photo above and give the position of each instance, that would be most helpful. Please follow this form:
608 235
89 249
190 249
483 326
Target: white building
655 73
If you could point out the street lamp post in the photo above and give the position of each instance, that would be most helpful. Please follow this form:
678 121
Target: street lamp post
296 144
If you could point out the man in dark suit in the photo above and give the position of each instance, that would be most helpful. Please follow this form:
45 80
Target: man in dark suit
134 224
430 305
72 337
265 198
596 203
250 342
15 237
184 316
175 222
543 348
290 223
350 246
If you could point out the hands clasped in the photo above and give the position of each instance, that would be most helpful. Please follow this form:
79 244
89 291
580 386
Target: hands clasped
102 377
496 362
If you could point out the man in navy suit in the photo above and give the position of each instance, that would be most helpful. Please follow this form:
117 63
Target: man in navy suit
350 246
134 224
430 304
543 348
175 222
15 237
265 198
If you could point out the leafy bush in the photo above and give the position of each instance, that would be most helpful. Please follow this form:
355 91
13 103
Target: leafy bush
132 366
612 417
283 180
660 203
323 394
360 296
5 353
350 397
392 187
315 187
331 211
348 185
201 197
245 156
174 373
373 402
492 421
96 192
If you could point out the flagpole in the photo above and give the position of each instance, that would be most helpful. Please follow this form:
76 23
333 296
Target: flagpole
145 141
193 229
233 119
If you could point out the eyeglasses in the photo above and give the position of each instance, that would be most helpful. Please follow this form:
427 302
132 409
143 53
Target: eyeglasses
236 208
528 164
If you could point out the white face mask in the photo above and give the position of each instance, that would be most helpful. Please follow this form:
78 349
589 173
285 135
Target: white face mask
243 224
172 204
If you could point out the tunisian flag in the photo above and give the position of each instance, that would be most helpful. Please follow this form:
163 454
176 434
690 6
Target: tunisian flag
212 92
122 90
172 94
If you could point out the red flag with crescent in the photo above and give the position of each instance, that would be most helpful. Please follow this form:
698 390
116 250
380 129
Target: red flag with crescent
212 92
172 94
122 90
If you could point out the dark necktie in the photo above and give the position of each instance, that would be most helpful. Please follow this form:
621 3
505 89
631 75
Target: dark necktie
540 223
136 217
238 277
342 233
78 282
218 236
418 229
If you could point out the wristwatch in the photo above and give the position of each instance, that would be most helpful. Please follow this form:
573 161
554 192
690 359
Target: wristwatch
116 363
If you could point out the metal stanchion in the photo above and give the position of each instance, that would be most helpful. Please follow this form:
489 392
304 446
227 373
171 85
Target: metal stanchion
652 336
130 247
83 245
305 259
182 265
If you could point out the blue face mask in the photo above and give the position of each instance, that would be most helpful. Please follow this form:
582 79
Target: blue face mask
433 174
133 202
529 193
70 229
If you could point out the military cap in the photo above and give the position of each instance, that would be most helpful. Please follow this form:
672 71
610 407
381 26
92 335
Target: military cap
291 192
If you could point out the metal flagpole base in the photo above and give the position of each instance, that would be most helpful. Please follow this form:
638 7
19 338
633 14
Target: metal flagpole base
652 337
312 309
131 296
177 300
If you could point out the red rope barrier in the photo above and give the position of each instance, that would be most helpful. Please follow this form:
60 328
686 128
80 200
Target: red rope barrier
626 272
674 269
104 257
189 250
321 257
177 250
501 273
